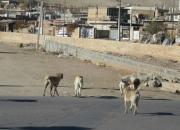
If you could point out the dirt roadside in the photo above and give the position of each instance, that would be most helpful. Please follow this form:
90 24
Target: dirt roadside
23 70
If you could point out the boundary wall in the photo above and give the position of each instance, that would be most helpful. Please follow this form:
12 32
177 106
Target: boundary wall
96 50
110 60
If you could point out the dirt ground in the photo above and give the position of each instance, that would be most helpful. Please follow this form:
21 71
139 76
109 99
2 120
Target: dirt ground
23 70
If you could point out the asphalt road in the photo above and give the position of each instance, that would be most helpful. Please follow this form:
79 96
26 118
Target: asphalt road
86 113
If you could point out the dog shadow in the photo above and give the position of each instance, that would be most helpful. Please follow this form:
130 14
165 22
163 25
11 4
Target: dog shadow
19 100
48 128
101 88
6 52
11 86
155 99
100 97
159 114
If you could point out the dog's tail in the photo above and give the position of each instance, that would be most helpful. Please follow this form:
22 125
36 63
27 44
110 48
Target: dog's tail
46 80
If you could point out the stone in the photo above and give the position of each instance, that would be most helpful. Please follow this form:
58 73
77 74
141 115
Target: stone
171 87
155 83
101 64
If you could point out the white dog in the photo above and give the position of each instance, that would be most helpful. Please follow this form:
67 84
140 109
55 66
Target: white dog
78 84
130 92
131 96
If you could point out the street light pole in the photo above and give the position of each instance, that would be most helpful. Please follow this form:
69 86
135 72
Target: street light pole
119 21
40 25
130 27
64 18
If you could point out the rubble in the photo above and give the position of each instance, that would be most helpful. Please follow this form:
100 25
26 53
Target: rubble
171 87
152 80
100 64
158 38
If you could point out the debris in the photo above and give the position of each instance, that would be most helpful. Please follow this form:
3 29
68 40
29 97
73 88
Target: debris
101 64
86 61
171 87
20 45
156 83
167 41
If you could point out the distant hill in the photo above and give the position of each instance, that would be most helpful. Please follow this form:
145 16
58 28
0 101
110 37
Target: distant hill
85 3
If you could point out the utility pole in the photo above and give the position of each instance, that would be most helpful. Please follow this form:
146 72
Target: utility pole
179 12
64 18
119 21
40 25
130 27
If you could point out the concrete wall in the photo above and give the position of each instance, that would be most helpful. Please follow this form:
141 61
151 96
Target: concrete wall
17 37
108 59
99 13
96 50
123 48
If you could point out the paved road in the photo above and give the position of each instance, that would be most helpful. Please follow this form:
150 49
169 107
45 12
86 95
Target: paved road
87 113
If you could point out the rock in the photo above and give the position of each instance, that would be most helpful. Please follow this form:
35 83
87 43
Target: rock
101 64
168 41
171 87
86 61
20 45
155 83
175 80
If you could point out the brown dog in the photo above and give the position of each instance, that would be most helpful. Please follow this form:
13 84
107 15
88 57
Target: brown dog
52 81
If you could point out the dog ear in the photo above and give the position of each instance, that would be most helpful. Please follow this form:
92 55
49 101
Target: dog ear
136 83
62 75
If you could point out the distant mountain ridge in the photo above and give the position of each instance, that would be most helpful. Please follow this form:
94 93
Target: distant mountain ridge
79 3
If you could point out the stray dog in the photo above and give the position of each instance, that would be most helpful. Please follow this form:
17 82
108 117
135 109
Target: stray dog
78 84
129 80
130 95
52 81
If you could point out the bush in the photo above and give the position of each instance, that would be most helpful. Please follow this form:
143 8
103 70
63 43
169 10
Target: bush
155 27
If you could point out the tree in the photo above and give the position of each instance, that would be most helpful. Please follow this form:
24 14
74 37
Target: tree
155 27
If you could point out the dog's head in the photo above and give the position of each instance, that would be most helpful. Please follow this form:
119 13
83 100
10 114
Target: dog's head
60 75
81 77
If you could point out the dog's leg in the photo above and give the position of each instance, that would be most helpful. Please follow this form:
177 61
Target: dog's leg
75 90
51 90
131 107
79 91
125 106
75 93
136 104
135 109
46 85
56 91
